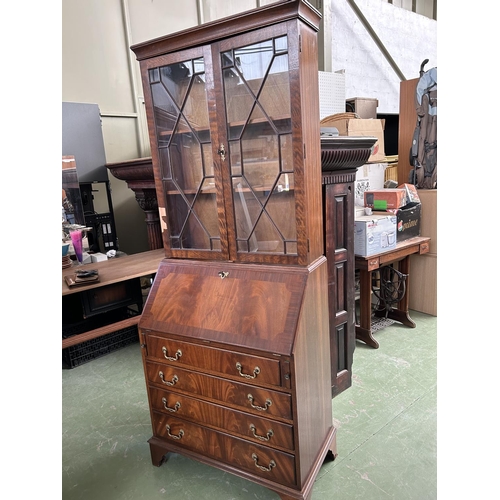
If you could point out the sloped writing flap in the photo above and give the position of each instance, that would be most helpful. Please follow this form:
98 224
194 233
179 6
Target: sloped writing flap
250 306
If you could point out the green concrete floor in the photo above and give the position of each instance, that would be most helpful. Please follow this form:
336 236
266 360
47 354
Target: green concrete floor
386 437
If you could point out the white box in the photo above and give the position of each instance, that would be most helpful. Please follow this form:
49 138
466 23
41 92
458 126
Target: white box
358 211
86 259
98 257
369 177
374 234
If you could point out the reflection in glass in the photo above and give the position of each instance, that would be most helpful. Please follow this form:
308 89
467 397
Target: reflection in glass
184 144
257 96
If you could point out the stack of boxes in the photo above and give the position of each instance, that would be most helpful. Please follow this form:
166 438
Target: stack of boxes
394 214
390 216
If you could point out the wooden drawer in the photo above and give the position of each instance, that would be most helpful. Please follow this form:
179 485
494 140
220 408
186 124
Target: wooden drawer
244 366
248 397
248 426
257 459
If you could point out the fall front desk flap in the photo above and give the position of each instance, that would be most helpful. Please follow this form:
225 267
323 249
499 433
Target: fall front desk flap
256 307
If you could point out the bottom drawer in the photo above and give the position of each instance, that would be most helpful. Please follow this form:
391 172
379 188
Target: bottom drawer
247 425
260 460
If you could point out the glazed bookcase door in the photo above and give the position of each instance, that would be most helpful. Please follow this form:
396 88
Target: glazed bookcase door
179 87
259 151
227 149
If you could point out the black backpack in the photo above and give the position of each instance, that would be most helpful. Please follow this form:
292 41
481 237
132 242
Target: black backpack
423 152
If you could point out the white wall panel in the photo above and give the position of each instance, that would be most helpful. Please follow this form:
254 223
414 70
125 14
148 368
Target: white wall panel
153 19
409 38
94 55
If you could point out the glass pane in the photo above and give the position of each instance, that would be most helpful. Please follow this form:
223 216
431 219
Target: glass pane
184 145
275 94
257 93
279 204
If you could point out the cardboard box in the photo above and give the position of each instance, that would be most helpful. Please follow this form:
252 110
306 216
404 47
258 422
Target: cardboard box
428 199
422 292
364 107
369 177
411 193
408 221
383 199
357 127
374 234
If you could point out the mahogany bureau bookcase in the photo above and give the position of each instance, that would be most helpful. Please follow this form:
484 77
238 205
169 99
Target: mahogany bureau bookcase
235 330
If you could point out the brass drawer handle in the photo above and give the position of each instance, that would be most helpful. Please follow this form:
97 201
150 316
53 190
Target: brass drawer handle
173 436
174 409
272 463
256 371
178 354
175 378
268 403
267 437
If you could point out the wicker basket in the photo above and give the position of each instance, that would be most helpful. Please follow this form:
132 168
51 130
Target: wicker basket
391 172
330 121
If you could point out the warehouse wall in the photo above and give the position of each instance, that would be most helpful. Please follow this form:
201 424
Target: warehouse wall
98 67
409 38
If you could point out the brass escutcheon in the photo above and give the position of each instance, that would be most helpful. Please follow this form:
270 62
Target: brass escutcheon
222 152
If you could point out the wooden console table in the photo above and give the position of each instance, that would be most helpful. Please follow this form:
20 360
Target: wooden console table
111 272
366 265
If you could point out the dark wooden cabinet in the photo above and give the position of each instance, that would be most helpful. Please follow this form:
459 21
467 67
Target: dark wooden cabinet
338 205
235 330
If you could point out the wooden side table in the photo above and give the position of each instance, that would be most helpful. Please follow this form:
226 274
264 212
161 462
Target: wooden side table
366 265
112 272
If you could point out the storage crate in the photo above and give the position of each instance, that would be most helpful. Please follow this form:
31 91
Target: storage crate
95 348
71 327
391 173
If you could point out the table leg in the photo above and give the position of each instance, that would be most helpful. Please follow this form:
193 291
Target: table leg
364 329
401 312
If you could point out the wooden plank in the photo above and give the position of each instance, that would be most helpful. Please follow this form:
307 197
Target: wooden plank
423 284
99 332
407 123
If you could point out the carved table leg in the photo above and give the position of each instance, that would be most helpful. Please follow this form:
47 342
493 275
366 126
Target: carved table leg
364 330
